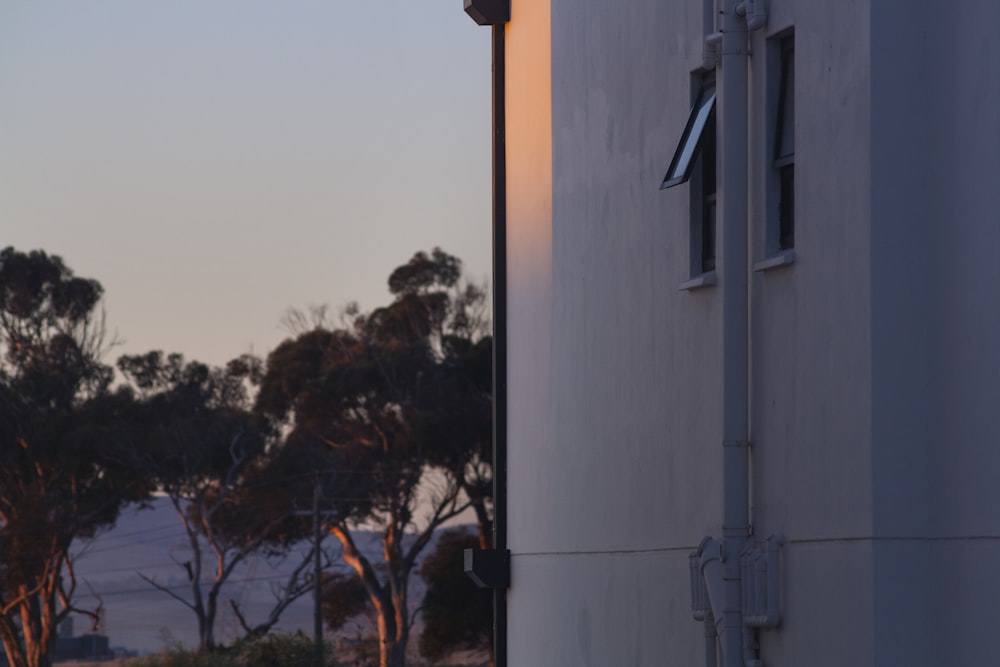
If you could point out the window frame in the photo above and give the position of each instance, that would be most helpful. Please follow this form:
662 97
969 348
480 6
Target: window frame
784 144
695 160
689 147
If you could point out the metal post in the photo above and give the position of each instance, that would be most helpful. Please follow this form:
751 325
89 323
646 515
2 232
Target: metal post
499 336
317 579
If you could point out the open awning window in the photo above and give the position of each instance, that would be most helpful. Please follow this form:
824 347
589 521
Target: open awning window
687 149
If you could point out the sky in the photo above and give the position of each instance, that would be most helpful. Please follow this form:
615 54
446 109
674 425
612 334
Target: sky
215 162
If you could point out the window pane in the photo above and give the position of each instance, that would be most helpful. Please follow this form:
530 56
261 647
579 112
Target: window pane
680 166
785 139
708 235
786 208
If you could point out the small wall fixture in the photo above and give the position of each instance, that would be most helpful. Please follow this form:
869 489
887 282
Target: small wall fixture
489 568
488 12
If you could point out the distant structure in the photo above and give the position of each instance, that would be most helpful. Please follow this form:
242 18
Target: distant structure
90 646
749 290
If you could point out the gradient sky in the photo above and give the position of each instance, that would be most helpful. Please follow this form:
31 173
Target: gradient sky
214 162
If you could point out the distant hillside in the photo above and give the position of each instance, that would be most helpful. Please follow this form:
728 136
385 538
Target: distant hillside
152 541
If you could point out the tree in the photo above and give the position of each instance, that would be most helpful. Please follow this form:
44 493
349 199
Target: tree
344 598
209 453
60 426
370 403
457 613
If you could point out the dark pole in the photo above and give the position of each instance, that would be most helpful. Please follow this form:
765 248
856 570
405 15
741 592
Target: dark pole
499 338
317 578
490 568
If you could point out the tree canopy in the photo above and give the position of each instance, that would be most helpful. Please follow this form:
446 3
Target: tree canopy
392 404
61 428
211 454
457 613
385 418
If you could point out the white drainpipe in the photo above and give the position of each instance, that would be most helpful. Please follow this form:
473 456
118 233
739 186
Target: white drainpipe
731 568
735 328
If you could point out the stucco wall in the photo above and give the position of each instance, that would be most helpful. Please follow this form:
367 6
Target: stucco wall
529 290
875 355
811 338
936 329
614 460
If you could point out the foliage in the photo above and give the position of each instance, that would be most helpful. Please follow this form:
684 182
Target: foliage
60 427
344 598
209 452
284 649
457 613
387 413
178 657
378 406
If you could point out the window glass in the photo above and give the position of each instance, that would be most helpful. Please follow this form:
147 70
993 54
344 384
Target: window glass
784 147
786 104
680 165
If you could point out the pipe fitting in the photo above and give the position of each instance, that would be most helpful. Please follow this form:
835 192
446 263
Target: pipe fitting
711 52
755 12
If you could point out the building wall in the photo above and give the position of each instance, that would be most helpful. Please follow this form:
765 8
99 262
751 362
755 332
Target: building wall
531 460
874 355
936 329
612 461
811 337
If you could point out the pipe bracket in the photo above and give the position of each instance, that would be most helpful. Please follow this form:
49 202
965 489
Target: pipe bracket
761 581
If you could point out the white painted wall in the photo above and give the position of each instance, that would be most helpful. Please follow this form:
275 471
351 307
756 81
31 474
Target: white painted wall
876 355
936 329
613 459
811 362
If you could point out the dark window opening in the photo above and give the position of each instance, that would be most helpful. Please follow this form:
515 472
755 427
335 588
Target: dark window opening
695 160
784 147
708 196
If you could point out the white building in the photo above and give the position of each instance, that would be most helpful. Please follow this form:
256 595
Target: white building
870 338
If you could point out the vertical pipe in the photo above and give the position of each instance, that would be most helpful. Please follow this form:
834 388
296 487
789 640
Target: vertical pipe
711 660
317 579
499 336
735 355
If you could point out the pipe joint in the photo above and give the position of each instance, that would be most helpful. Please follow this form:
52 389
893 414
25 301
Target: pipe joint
755 13
711 53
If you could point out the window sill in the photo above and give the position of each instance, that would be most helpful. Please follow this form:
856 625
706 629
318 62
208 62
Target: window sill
783 258
706 279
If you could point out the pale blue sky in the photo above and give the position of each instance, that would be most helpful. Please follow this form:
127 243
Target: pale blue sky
213 162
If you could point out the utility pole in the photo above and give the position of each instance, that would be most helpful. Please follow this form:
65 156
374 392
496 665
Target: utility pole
317 579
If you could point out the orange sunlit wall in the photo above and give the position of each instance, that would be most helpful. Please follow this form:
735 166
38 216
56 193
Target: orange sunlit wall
529 253
529 133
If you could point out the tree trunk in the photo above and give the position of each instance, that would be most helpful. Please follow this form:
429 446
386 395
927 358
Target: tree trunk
37 615
387 648
11 644
483 523
393 628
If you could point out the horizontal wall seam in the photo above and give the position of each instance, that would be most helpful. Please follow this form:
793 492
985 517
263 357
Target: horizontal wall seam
606 552
816 540
897 538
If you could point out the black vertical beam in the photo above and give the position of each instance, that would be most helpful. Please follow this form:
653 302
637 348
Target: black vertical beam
499 337
491 568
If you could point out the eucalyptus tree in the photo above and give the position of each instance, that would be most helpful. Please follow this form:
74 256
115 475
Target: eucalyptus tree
210 455
61 427
381 405
457 613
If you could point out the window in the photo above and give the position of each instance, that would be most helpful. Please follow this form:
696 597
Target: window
694 160
784 148
701 115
